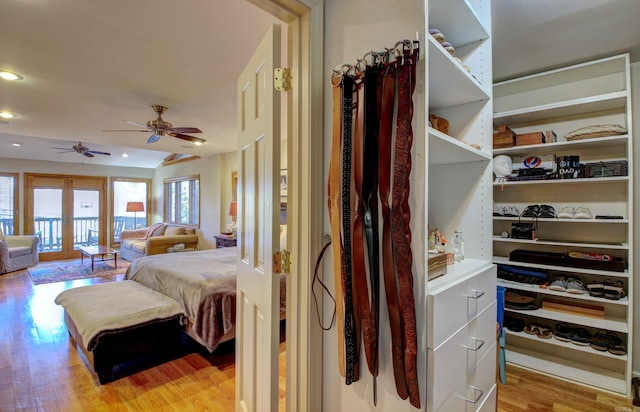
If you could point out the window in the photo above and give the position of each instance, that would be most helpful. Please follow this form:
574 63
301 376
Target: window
9 203
182 200
124 193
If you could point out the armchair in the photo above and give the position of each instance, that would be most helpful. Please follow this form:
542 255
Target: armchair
18 252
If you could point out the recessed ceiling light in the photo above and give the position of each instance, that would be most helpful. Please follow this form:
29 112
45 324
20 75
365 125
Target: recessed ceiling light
7 75
7 115
125 154
16 144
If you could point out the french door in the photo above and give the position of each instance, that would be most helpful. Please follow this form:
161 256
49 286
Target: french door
66 212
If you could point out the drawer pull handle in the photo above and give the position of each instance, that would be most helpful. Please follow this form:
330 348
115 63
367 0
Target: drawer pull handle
477 294
477 347
477 391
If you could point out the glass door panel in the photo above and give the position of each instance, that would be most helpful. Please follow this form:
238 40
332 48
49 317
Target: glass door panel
47 218
86 218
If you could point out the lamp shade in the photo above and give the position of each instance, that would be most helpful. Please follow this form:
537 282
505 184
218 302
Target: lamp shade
233 208
135 207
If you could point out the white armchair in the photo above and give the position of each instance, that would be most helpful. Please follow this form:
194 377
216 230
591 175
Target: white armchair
18 252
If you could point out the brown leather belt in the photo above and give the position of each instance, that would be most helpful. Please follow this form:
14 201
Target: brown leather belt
390 287
400 218
334 214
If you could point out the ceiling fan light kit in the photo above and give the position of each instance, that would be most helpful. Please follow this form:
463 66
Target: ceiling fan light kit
159 127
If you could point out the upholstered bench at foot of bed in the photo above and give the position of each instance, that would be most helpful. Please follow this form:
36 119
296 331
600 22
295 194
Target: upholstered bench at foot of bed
120 324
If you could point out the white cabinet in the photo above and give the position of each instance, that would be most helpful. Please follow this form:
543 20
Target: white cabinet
563 100
455 171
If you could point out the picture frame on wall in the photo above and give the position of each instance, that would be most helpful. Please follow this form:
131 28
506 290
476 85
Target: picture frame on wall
283 182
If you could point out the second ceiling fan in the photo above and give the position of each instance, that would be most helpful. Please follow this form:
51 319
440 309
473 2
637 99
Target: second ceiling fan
159 127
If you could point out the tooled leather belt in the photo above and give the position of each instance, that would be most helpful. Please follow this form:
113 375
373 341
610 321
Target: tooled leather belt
400 218
390 287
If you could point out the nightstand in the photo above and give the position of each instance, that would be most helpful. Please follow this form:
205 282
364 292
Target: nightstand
225 241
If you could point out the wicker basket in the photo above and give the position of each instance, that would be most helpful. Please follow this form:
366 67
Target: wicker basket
439 123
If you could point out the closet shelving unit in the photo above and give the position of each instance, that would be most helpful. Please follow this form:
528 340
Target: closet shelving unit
457 180
592 93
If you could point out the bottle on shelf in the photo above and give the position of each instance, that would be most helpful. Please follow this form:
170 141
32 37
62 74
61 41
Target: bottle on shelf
458 246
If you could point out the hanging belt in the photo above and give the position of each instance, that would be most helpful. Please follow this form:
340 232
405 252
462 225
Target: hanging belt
400 218
369 205
351 361
390 287
334 215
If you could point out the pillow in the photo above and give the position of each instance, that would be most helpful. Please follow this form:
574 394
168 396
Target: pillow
599 130
175 230
159 231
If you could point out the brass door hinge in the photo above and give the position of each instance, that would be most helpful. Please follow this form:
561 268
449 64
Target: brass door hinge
282 79
282 262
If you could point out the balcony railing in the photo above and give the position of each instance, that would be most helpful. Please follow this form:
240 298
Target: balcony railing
85 230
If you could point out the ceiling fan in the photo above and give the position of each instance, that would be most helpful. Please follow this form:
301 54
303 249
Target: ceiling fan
82 149
159 128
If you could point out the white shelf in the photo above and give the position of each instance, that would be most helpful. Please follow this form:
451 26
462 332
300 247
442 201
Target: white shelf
559 243
619 140
561 109
465 28
444 149
579 181
568 345
505 261
585 297
560 220
449 83
609 322
581 372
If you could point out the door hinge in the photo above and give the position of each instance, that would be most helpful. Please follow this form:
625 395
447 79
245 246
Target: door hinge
282 262
282 79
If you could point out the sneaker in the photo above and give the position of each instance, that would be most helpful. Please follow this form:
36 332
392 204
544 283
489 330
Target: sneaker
574 285
567 213
558 284
510 211
583 213
498 210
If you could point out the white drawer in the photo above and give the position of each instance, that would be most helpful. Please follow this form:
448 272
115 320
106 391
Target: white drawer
450 308
452 361
477 390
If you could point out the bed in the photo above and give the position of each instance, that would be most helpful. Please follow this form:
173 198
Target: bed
204 284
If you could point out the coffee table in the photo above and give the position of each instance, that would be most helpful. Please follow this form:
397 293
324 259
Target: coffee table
93 251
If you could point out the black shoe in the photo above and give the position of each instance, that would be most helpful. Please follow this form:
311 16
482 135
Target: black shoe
531 211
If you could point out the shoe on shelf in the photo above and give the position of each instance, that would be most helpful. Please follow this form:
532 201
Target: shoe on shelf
574 285
558 284
511 211
567 213
583 213
498 210
581 337
531 211
615 346
547 211
563 332
614 291
600 341
596 289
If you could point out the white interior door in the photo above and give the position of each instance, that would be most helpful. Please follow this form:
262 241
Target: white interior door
258 288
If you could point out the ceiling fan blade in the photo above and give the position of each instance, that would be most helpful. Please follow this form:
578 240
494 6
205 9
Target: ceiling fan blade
185 130
66 149
146 131
153 138
88 154
95 152
188 138
136 124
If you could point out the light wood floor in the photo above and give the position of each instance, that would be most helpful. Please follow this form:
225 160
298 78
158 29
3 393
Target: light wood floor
41 370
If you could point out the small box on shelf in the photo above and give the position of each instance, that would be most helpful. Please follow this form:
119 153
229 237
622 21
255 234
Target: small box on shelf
504 137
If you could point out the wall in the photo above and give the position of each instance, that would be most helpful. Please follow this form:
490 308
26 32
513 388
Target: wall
357 27
635 91
215 192
22 166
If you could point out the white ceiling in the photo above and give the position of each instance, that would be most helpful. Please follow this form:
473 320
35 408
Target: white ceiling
90 66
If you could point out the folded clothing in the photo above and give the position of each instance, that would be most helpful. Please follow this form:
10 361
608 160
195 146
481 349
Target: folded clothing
521 275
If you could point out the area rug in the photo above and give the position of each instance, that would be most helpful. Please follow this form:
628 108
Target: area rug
60 271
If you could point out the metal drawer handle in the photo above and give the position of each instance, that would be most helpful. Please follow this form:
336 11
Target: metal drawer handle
477 347
477 294
479 391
